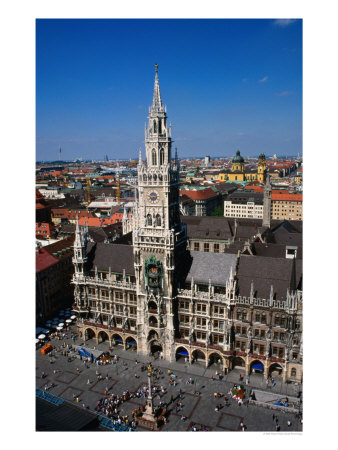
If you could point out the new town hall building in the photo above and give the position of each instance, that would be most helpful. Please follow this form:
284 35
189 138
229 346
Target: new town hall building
212 289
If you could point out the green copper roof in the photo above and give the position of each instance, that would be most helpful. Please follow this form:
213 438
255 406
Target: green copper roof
238 158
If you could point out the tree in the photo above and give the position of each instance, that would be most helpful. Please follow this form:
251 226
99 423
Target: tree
218 211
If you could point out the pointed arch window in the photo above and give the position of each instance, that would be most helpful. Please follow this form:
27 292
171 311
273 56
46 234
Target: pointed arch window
160 126
153 157
144 177
155 126
158 220
161 156
149 220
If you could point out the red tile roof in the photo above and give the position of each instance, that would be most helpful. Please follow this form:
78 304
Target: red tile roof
204 194
44 229
286 196
91 221
44 260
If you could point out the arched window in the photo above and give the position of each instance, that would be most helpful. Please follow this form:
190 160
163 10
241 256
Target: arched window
239 314
293 372
277 319
159 126
263 317
155 127
153 157
161 156
144 177
149 220
154 178
158 220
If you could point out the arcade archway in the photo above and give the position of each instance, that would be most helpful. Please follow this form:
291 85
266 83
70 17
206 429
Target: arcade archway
181 354
155 348
89 334
275 370
102 336
117 339
215 360
131 344
198 357
257 367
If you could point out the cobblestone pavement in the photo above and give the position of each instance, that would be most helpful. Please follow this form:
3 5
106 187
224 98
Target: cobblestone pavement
199 409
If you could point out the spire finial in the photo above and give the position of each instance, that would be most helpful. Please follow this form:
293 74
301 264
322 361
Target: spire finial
157 101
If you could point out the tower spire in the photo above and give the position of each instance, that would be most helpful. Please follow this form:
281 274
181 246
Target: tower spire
157 101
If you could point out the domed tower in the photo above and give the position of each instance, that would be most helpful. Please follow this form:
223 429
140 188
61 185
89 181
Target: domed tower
261 171
237 168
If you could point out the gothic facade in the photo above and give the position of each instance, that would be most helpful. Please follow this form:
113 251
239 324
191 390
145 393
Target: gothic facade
155 294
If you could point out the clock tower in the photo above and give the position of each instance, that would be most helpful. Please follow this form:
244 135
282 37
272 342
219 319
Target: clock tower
158 235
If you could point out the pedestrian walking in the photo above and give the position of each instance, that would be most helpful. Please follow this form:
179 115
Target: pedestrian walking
247 381
88 382
289 423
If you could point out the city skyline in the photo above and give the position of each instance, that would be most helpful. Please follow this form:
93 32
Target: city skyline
93 88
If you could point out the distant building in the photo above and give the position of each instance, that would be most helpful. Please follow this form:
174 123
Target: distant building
244 204
205 200
286 205
51 192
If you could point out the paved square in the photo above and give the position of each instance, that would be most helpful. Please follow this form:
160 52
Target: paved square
229 422
66 377
198 401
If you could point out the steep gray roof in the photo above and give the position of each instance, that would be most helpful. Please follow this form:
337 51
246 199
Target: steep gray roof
207 227
265 271
213 266
115 256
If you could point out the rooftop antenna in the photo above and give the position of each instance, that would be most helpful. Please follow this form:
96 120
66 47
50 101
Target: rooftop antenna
60 154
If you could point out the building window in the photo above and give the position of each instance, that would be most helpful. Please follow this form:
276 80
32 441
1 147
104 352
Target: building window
200 336
149 220
196 246
153 154
118 295
216 248
218 339
219 325
206 246
200 308
132 298
158 220
161 156
218 311
293 372
242 314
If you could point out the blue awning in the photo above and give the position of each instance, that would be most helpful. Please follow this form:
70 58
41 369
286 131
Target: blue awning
257 366
183 353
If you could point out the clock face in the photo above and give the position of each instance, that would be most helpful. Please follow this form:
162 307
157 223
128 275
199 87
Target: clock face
153 196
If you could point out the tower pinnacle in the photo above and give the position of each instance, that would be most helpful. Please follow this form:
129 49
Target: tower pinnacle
157 101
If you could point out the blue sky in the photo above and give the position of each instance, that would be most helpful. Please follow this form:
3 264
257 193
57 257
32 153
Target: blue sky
228 84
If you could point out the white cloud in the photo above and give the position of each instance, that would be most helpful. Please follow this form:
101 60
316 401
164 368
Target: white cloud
284 93
264 79
284 22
